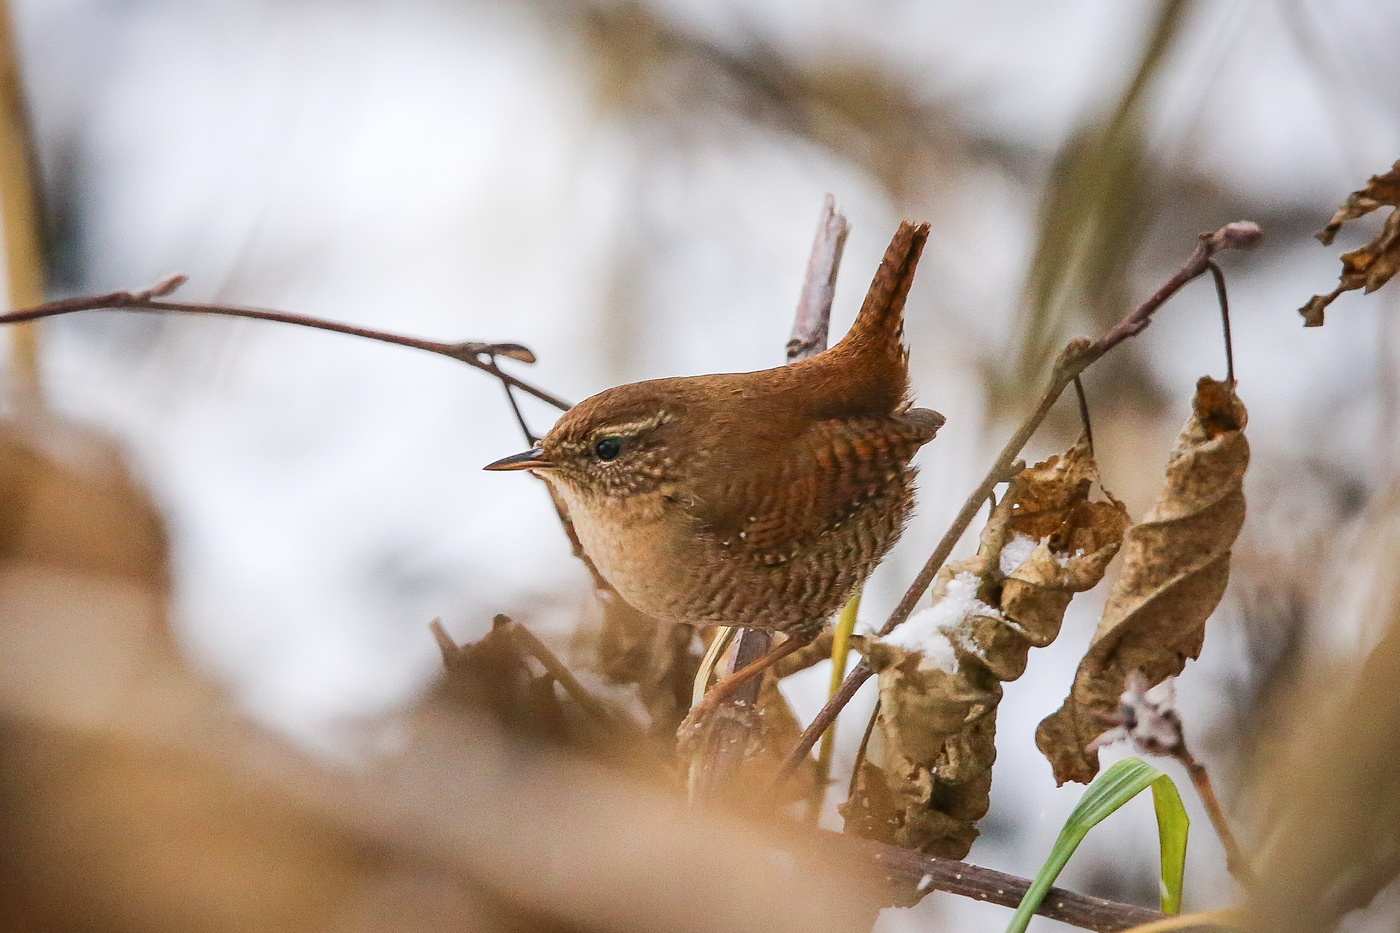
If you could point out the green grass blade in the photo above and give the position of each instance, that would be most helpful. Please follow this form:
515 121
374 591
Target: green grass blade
1173 827
1113 788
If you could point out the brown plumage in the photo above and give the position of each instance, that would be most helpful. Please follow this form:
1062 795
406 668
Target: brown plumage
756 499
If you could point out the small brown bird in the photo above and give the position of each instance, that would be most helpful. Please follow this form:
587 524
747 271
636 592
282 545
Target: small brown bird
756 499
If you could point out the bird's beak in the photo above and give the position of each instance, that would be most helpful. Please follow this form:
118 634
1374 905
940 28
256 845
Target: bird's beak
532 459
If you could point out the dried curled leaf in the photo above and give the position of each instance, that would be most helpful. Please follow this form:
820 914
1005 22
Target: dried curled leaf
941 673
1057 543
1176 565
1374 264
514 680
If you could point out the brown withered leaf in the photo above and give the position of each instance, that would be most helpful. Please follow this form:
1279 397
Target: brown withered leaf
1374 264
940 675
1176 565
492 677
660 659
513 679
1071 540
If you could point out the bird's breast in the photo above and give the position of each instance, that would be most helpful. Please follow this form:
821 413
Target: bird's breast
645 545
767 571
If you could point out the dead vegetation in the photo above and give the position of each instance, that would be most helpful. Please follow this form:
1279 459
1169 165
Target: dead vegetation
134 798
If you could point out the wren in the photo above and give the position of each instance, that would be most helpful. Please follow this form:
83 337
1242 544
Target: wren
759 499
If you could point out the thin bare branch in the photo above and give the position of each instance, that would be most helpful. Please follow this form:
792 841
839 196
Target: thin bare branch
478 355
1224 320
926 873
1084 412
1235 861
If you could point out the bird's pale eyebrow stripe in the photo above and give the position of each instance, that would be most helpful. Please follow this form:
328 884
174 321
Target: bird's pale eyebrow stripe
632 428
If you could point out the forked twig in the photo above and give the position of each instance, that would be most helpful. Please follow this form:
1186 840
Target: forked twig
1076 357
1148 718
481 356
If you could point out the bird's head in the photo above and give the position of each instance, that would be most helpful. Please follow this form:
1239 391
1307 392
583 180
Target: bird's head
619 443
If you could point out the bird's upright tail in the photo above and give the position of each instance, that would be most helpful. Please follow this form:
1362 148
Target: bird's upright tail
875 342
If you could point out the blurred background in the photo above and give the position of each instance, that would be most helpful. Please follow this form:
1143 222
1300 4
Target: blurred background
631 190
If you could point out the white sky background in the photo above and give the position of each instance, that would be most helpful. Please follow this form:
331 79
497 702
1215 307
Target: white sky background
441 168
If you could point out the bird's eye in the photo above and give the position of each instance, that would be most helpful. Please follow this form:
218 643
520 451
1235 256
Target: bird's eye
608 448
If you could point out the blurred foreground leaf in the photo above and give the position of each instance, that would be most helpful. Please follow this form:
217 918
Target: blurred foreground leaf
134 798
1331 793
20 212
1115 787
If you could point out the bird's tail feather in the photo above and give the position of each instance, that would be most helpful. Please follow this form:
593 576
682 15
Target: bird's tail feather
880 323
874 346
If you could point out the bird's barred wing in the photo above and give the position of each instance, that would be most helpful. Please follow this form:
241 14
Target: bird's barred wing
821 481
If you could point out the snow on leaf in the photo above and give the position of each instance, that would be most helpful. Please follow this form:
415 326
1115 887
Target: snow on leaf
940 673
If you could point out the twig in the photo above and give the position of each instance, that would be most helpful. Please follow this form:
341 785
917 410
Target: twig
1235 861
1084 412
478 355
810 331
825 717
1224 321
812 325
924 873
531 437
1076 357
863 748
1147 716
